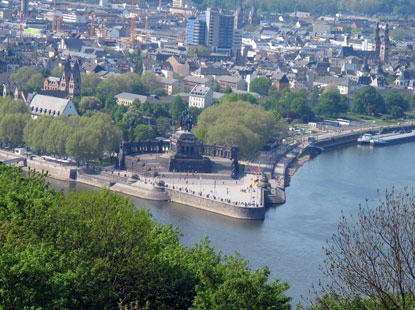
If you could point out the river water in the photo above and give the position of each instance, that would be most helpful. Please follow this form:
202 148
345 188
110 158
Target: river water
290 239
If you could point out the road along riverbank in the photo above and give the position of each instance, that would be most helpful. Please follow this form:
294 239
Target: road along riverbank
291 158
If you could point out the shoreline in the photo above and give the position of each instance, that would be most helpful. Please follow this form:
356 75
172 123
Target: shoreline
272 191
145 189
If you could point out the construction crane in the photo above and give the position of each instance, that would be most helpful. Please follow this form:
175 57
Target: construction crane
92 29
104 28
58 26
54 13
132 31
144 36
21 24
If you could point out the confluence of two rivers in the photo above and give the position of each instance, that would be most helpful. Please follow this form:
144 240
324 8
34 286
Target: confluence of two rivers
290 239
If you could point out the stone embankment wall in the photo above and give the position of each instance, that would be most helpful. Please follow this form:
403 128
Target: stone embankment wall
338 141
142 189
248 213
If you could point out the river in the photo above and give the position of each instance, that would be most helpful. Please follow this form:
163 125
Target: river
290 239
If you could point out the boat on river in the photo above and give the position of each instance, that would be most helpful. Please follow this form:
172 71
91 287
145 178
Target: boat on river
365 138
392 138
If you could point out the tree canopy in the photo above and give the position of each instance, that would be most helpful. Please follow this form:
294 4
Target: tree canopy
368 100
236 123
370 261
331 104
84 138
396 104
260 85
96 250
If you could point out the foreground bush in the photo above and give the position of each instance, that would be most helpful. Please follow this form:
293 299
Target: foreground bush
95 250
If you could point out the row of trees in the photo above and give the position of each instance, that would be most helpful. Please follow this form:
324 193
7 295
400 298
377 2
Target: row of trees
83 138
95 250
30 78
330 103
14 115
106 89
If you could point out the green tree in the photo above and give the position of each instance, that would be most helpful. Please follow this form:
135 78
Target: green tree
95 250
146 109
57 71
89 103
11 128
285 103
163 125
34 133
34 83
396 112
260 85
150 81
368 100
227 90
236 123
395 99
160 109
301 109
370 260
56 136
331 105
22 75
159 92
118 111
10 106
232 97
144 132
177 106
90 81
132 118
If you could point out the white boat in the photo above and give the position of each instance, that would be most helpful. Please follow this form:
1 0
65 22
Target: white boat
365 138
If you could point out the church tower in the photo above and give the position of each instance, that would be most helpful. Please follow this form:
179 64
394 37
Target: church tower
252 17
75 81
238 18
66 75
377 40
385 47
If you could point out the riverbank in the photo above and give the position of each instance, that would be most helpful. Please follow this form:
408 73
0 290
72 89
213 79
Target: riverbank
295 155
228 197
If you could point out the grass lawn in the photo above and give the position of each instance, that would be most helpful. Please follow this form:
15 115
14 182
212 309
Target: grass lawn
105 162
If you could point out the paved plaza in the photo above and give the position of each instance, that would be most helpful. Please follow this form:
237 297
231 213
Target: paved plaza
243 192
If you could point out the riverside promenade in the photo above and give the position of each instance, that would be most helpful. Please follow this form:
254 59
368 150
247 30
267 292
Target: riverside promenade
289 157
244 198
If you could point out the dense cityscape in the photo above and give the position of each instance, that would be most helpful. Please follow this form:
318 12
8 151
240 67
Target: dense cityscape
205 104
